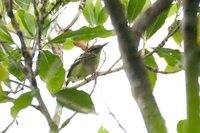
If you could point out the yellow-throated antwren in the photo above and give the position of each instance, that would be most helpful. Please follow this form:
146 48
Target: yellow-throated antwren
85 64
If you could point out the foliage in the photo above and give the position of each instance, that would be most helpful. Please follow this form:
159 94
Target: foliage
32 41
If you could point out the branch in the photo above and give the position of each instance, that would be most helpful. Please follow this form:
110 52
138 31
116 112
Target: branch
191 54
81 6
133 65
155 70
163 42
9 8
149 16
5 130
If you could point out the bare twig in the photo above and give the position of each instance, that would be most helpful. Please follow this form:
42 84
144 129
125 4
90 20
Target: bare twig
81 6
58 2
66 122
5 130
114 64
21 84
163 42
113 115
155 70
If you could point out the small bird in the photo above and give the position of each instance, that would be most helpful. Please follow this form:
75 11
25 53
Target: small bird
85 64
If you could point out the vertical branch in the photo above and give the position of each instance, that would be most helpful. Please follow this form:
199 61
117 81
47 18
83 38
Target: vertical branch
191 64
135 69
40 21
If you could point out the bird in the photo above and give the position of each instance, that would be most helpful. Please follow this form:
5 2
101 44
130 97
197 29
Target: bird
86 64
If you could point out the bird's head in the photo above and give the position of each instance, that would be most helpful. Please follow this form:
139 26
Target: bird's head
96 48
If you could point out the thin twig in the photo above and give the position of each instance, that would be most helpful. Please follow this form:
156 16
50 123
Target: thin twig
66 122
58 2
155 70
113 115
21 84
114 64
81 6
163 42
5 130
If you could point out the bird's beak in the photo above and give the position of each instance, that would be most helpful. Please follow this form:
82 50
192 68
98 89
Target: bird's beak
104 44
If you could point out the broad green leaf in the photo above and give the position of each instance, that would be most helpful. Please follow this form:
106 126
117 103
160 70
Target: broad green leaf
3 73
4 34
134 8
88 12
150 61
4 96
26 21
94 14
157 24
178 37
68 44
24 4
172 57
22 102
51 71
181 126
76 100
85 33
97 9
146 5
100 13
173 9
15 70
102 17
102 130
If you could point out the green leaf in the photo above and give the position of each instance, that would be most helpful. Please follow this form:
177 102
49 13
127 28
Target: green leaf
85 33
88 12
178 37
181 126
68 44
26 21
4 96
4 34
102 17
4 73
102 130
22 102
15 70
97 9
134 8
172 57
76 100
94 14
147 5
100 13
150 61
173 9
157 24
51 71
24 4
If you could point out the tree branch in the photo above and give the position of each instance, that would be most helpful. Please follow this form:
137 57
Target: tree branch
133 65
149 16
191 55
